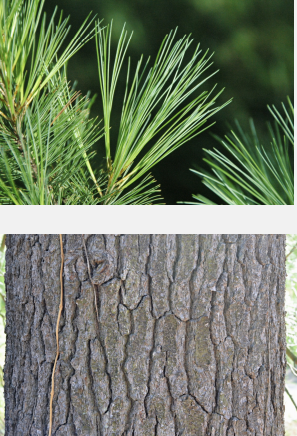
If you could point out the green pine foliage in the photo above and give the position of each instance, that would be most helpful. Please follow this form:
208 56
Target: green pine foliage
47 139
45 133
252 173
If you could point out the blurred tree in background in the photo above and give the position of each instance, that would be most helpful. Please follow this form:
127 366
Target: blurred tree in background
253 45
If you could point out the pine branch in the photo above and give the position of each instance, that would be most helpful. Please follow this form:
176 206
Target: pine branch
291 398
46 135
251 173
156 116
24 160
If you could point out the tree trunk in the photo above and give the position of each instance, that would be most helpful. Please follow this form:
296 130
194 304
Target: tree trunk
189 338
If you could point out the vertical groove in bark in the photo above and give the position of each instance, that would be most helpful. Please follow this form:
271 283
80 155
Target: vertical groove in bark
181 346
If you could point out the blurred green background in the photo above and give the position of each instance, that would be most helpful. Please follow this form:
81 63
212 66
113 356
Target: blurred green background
253 45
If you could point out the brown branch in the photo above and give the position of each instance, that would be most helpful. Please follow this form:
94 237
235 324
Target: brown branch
269 380
77 94
2 248
57 337
291 398
291 355
293 249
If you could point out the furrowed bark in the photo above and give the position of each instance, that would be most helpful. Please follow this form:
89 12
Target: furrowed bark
189 338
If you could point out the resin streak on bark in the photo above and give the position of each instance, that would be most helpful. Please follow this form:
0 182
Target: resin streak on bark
180 346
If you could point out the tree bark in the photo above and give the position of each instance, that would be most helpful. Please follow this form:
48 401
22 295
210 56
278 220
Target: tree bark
189 338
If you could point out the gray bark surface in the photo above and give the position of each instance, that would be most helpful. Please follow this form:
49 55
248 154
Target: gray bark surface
190 338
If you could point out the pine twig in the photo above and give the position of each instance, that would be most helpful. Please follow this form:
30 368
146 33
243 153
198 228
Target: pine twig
269 380
291 356
57 336
293 249
291 398
2 247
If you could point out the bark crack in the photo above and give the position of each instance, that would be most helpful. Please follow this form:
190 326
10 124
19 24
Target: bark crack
174 267
92 378
150 369
199 404
168 385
